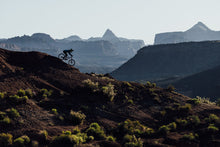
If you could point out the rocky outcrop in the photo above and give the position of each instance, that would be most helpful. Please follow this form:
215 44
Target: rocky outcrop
199 32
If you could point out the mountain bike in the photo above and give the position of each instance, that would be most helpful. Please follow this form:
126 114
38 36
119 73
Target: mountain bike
70 59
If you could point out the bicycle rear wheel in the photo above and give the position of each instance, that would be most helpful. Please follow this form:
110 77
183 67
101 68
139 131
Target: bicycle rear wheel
71 62
61 56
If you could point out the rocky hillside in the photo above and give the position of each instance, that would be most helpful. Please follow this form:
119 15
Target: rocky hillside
45 102
170 60
199 32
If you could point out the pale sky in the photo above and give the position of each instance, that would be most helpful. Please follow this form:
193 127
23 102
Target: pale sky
134 19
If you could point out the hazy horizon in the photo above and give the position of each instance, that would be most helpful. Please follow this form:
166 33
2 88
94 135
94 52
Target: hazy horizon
138 19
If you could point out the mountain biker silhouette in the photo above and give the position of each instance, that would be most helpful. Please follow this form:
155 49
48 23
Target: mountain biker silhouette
66 52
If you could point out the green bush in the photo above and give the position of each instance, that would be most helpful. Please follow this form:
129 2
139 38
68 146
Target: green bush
45 93
92 85
110 138
170 88
132 128
194 101
2 115
148 84
132 141
130 101
13 113
5 139
54 111
2 95
212 118
90 138
212 128
18 99
190 137
109 91
76 130
5 120
21 93
43 134
96 131
127 138
66 140
29 93
164 130
181 122
193 120
22 141
185 108
172 126
67 132
76 117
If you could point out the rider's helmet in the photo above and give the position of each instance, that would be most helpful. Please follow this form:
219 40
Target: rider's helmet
71 49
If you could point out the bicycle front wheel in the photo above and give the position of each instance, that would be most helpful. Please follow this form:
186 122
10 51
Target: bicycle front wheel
71 62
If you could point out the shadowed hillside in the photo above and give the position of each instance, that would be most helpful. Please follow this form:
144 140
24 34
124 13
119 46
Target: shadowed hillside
171 60
204 84
45 102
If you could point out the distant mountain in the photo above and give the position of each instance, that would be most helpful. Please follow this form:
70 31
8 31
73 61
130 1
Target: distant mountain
199 32
170 60
69 39
104 54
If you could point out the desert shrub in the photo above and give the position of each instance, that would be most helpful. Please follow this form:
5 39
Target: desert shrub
184 109
5 120
45 93
212 118
164 130
170 88
96 131
194 101
109 91
131 127
29 93
67 132
77 117
190 137
172 126
65 140
212 128
54 111
149 131
76 130
21 92
148 84
154 85
34 143
92 85
181 122
22 141
2 115
127 138
132 141
5 139
110 138
13 113
130 101
90 138
205 100
43 135
2 95
193 120
18 99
